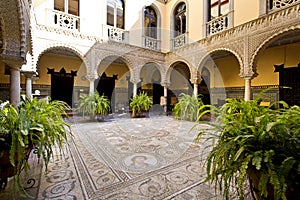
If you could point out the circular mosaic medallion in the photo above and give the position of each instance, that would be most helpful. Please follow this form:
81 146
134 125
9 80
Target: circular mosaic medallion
141 162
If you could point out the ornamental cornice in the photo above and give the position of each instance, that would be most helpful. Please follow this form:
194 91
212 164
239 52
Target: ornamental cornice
68 33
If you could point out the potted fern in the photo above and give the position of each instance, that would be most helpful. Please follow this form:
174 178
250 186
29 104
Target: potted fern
32 124
94 105
187 107
255 144
140 103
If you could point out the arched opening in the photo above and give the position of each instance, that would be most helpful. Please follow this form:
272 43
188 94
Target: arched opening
180 83
151 80
204 86
277 65
114 82
61 75
220 73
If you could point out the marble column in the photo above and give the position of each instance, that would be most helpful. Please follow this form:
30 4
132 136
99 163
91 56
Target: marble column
92 86
195 89
247 96
165 106
15 88
134 89
28 75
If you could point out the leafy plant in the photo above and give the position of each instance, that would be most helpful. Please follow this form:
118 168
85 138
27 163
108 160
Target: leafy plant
94 104
187 107
140 103
33 123
255 143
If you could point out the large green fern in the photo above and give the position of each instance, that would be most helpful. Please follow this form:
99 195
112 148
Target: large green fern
252 139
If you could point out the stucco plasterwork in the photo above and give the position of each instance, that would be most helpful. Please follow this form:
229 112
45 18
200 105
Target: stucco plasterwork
244 42
14 17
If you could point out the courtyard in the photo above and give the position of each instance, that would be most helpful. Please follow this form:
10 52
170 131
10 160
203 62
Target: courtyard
124 158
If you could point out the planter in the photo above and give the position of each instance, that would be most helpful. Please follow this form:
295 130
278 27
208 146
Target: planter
6 168
292 192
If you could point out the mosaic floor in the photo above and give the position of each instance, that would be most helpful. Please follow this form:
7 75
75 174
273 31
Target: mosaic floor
124 158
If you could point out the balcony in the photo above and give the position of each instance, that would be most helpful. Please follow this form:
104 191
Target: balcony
65 20
151 43
115 34
276 5
179 41
219 24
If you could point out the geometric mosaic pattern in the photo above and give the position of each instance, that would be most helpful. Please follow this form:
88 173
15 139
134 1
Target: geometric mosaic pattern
124 158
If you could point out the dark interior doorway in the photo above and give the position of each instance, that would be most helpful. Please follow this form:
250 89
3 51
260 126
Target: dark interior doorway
62 85
289 82
105 86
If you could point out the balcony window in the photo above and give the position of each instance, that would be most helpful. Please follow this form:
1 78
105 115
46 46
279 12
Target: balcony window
180 19
66 14
67 6
218 8
150 22
218 16
115 13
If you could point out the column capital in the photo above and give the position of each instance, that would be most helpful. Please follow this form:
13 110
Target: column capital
91 77
165 84
13 63
28 74
196 80
135 80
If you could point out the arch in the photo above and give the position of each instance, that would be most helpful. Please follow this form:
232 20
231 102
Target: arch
169 68
209 53
156 65
61 46
125 59
172 20
264 44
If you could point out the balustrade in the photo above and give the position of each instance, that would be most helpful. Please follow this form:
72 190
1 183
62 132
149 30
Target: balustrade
218 24
280 4
116 34
65 20
179 41
151 43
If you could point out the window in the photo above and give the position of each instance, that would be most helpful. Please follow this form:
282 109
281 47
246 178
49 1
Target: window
115 13
150 22
68 6
218 8
180 19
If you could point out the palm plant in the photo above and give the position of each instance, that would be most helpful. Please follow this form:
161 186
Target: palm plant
94 105
140 103
33 123
258 144
187 107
